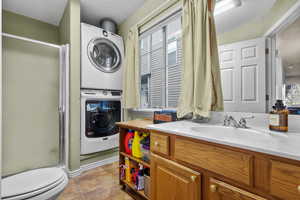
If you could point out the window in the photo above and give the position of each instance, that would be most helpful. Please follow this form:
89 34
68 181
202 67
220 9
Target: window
160 64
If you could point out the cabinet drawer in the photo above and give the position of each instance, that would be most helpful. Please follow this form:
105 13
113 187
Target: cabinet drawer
234 165
219 190
160 143
285 180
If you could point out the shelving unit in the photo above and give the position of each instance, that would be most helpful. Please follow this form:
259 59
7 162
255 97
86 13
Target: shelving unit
141 126
140 192
136 159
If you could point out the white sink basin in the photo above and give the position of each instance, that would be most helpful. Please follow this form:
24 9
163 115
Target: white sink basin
222 130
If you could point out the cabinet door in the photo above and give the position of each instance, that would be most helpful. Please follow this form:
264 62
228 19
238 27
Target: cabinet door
285 180
221 191
171 181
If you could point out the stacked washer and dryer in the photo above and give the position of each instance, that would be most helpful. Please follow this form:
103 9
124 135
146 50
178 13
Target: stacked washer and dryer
102 54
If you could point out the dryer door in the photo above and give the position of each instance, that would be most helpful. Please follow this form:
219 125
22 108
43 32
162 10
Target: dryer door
104 55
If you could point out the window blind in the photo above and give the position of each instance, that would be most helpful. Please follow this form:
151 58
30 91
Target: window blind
174 64
160 63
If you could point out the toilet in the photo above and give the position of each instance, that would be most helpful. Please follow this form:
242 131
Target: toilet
38 184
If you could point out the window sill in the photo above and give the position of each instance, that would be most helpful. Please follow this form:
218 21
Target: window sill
151 110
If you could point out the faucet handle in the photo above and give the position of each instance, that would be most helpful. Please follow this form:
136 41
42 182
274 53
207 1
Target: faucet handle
243 122
226 120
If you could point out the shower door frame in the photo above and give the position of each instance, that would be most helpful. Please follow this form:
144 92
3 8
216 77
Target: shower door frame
1 99
63 107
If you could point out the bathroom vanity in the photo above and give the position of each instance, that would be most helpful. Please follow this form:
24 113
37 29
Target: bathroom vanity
193 161
190 161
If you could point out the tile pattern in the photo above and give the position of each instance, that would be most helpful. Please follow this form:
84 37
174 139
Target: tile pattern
101 183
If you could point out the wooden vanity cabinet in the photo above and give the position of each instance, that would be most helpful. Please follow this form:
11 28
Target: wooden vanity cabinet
172 181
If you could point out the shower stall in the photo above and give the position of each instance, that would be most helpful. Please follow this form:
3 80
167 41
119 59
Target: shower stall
35 116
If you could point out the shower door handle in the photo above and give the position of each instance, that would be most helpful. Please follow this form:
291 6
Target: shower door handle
61 109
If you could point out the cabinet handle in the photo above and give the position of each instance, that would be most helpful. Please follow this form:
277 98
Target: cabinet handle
213 188
156 143
298 188
193 178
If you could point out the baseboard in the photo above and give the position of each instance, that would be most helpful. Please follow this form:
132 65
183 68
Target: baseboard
99 163
93 165
74 173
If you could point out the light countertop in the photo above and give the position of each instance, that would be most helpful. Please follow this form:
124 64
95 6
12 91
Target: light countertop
258 139
140 124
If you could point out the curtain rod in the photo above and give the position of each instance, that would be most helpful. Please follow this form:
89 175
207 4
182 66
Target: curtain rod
30 40
158 10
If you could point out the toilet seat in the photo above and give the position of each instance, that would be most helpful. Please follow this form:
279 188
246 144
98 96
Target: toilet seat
33 184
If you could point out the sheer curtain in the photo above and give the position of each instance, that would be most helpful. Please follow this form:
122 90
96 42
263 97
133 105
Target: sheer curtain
131 89
201 85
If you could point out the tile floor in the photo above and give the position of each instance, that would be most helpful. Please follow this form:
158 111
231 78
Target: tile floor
101 183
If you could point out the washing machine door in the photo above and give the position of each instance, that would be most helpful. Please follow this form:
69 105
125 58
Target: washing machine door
104 55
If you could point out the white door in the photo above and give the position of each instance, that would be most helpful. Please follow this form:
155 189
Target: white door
243 73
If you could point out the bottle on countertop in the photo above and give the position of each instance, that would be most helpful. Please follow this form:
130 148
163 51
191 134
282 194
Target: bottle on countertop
278 118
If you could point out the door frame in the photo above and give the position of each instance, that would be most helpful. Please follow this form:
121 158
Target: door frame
288 18
1 96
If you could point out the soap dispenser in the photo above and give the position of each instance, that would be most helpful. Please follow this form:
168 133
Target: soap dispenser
278 117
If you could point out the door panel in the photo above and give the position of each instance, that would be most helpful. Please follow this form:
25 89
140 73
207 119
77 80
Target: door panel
227 82
228 57
249 52
245 89
249 81
228 75
171 181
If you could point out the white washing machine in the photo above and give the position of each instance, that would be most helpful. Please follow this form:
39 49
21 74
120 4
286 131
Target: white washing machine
100 111
102 54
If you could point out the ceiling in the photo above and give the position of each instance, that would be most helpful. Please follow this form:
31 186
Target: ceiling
118 10
289 48
49 11
249 10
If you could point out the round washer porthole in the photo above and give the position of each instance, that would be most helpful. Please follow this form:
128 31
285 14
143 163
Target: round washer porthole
104 55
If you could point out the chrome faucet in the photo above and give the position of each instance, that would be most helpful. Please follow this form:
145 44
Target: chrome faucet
243 122
229 120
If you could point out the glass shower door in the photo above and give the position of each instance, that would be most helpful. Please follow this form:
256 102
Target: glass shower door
31 74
